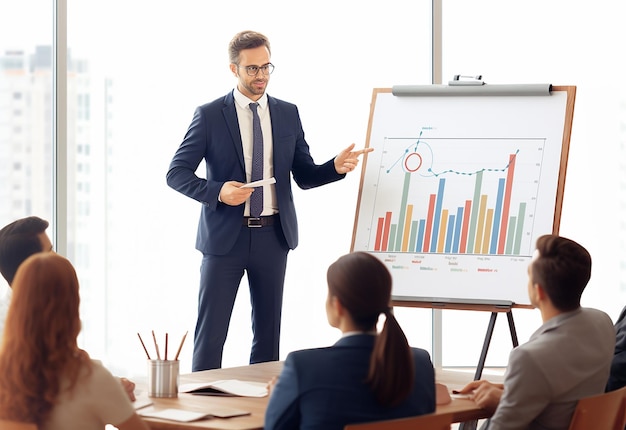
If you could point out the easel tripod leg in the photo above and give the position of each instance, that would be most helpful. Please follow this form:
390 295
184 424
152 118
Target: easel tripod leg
509 316
471 425
483 353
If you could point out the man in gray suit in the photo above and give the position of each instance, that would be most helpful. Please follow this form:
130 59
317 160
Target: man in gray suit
566 359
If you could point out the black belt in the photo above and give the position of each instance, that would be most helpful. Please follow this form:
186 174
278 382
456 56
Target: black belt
262 221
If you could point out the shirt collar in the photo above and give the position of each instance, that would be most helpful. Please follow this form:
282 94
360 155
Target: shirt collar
354 333
244 101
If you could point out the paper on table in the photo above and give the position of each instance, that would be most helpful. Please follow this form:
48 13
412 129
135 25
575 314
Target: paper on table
227 412
142 400
232 387
182 415
260 183
174 414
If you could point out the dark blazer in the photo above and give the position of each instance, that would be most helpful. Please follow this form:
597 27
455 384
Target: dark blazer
214 136
324 389
617 377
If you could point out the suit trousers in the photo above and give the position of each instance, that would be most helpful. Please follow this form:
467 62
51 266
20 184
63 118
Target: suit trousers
260 252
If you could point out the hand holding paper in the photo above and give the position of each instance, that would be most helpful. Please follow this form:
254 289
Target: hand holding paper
260 183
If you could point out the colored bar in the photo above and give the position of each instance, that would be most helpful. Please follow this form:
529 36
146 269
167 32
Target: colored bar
457 229
407 228
450 234
488 225
386 231
510 236
392 236
480 224
475 208
414 227
442 230
519 228
437 216
507 201
379 234
402 215
466 218
496 217
420 236
429 221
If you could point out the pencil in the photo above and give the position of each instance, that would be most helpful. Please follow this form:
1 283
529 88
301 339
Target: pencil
144 346
165 358
156 345
181 346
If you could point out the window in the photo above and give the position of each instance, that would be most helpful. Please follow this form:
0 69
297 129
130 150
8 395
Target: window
543 42
25 126
131 96
142 89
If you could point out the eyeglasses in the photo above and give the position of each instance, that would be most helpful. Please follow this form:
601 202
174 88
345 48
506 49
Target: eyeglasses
266 69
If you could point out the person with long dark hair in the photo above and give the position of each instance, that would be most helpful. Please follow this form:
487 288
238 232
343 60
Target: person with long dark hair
366 375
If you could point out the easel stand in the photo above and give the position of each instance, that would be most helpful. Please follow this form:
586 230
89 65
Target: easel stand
489 334
471 425
494 309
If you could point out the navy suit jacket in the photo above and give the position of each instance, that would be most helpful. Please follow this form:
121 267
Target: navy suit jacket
215 137
324 388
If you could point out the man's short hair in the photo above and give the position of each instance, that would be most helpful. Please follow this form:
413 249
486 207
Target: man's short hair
18 241
563 269
246 40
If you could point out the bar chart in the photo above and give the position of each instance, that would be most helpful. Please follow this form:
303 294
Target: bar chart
456 196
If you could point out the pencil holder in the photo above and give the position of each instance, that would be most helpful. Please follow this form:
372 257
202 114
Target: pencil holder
163 378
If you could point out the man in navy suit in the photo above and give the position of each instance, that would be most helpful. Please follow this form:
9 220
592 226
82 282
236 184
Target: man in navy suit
230 239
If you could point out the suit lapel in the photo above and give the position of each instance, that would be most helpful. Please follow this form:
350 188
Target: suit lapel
230 116
275 117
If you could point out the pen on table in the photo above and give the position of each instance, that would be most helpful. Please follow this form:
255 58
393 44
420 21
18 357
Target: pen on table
180 346
165 358
156 345
144 346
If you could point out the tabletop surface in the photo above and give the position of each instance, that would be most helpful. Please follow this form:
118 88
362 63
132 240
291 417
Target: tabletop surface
461 409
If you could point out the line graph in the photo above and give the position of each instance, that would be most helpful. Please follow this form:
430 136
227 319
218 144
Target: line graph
456 195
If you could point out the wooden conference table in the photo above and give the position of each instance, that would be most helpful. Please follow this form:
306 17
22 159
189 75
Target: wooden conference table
460 409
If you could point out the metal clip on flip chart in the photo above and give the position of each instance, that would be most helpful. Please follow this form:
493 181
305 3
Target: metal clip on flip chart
460 80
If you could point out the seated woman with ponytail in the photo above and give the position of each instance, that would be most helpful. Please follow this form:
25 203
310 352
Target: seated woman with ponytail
365 376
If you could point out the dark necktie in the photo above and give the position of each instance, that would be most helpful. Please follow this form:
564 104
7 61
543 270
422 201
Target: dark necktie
256 199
